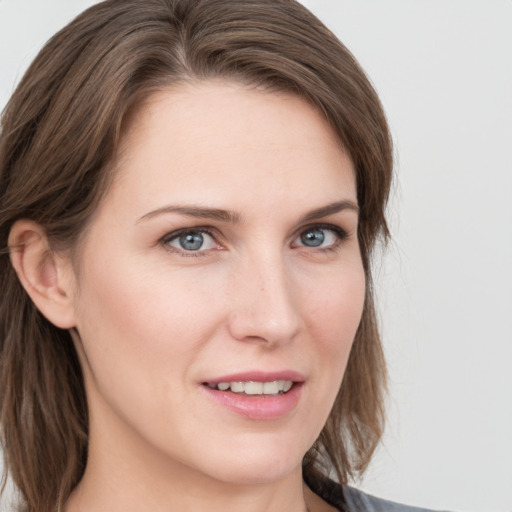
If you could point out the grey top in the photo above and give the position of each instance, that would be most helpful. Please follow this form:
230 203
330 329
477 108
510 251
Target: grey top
358 501
348 499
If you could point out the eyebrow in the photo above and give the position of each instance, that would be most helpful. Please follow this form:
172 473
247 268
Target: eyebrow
234 217
196 211
330 209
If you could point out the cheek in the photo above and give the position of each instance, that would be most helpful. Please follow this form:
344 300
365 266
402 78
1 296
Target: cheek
334 315
138 323
142 338
335 308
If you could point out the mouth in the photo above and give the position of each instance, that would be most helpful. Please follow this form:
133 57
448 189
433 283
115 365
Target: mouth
257 395
253 388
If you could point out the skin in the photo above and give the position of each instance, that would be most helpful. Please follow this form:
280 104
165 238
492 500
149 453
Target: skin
152 322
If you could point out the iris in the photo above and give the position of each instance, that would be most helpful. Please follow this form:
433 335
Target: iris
191 241
313 238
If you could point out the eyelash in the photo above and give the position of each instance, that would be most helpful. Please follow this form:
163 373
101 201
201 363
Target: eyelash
340 233
176 234
341 236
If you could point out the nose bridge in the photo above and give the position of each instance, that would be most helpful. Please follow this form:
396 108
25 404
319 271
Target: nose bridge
264 304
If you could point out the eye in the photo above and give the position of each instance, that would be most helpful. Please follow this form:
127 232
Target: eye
190 240
320 236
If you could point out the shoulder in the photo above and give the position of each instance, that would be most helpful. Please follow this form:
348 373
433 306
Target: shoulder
357 501
348 499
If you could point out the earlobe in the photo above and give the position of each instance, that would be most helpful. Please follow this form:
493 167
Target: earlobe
46 276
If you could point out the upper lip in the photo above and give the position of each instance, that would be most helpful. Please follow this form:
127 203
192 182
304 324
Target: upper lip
258 376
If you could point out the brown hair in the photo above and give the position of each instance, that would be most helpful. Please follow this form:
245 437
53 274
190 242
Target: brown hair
60 132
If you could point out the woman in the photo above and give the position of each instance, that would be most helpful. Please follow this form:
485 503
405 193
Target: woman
191 191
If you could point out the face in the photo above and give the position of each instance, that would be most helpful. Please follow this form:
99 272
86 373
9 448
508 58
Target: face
220 285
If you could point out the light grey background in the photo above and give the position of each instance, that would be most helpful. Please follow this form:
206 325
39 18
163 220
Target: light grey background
443 69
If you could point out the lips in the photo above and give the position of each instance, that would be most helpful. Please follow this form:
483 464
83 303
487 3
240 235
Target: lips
257 395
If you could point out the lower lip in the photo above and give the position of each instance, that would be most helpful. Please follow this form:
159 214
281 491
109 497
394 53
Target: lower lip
257 407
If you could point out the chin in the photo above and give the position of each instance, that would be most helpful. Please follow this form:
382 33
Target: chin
251 472
258 464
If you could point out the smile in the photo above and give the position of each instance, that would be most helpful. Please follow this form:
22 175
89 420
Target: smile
270 388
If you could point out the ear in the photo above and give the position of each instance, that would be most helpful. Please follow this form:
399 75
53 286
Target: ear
48 278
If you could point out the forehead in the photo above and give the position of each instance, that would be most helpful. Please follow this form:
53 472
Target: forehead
222 141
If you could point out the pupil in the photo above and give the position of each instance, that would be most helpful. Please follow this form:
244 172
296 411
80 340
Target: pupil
313 238
191 241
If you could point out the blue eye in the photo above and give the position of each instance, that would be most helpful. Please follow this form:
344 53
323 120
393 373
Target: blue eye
320 236
190 240
313 237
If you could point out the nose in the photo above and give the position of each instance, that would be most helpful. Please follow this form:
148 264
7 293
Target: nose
264 307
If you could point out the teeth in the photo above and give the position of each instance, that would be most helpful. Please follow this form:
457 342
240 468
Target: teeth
253 388
270 388
237 387
274 387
